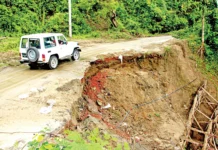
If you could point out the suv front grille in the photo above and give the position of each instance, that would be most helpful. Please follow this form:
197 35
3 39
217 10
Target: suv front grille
24 55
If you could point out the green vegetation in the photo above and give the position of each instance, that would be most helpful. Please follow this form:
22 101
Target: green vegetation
11 44
96 19
157 114
193 32
90 140
133 17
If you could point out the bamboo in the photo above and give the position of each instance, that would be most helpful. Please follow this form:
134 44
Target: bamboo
209 131
197 123
210 95
206 137
207 102
196 130
194 142
214 143
203 114
190 118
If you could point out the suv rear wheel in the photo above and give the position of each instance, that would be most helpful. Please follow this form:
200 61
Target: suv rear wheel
76 55
53 62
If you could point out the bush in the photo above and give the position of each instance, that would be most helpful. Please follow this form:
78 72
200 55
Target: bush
90 140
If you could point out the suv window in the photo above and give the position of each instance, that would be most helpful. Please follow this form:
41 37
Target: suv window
24 43
34 43
62 40
49 42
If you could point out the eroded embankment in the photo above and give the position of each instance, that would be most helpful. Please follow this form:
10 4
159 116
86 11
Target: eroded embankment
130 90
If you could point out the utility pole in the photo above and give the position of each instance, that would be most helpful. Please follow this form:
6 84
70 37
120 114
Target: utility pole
70 19
201 51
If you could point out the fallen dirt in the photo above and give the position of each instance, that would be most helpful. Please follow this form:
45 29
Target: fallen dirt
133 98
24 92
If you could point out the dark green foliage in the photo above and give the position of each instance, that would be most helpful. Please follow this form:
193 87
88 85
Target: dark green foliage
134 16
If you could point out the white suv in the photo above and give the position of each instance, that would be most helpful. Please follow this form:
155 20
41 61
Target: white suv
47 48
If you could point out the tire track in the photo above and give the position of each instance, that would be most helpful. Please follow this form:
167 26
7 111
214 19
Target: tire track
16 83
20 77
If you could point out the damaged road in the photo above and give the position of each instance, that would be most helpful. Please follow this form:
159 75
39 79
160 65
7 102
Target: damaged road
146 98
133 87
24 92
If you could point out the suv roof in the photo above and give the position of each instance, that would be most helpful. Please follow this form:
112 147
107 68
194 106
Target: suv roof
41 35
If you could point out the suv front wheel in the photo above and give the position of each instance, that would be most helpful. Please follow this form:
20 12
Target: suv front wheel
75 55
53 62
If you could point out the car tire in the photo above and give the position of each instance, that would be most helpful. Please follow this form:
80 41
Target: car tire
53 62
33 54
75 55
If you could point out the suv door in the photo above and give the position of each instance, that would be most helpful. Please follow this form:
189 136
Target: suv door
50 45
64 49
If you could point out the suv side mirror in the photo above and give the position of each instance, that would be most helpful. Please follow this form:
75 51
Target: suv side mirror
65 42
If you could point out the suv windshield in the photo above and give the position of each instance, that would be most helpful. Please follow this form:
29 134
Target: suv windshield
62 40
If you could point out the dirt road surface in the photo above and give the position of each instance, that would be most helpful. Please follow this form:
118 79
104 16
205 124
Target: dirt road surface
20 118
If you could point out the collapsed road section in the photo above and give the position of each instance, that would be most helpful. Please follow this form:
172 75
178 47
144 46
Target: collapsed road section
144 98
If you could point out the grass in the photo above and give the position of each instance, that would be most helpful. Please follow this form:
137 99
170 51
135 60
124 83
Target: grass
9 44
210 74
207 68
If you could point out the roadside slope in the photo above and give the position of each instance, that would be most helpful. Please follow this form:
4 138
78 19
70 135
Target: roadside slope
23 115
147 96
